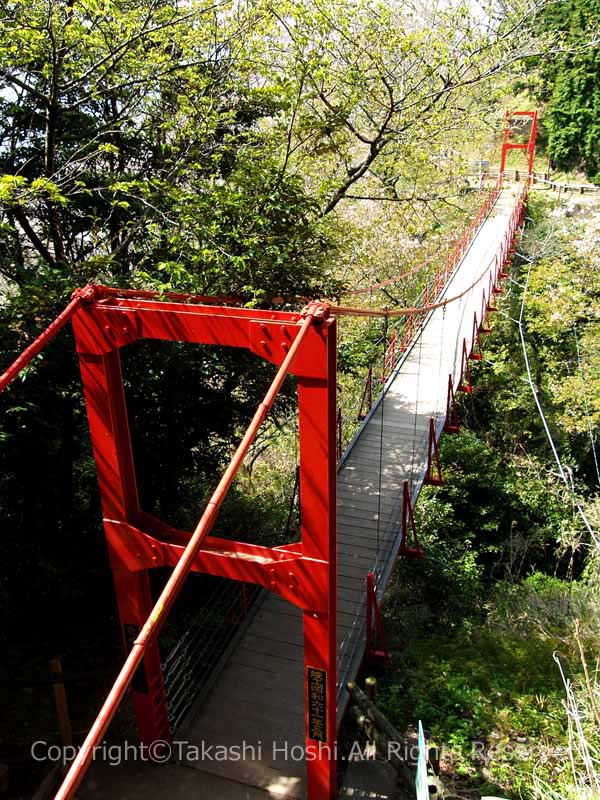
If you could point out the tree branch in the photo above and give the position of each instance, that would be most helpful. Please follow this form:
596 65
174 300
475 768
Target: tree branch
35 240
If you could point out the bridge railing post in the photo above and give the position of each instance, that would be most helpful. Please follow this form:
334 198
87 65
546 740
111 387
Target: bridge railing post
433 458
451 425
409 541
375 627
475 354
366 400
464 384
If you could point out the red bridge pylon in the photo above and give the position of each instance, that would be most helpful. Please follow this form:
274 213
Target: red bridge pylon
528 147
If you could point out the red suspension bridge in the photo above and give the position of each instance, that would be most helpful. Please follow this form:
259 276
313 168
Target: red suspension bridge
283 675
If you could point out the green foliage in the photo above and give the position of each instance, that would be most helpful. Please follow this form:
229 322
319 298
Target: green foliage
487 688
482 692
508 510
562 299
572 117
144 151
367 118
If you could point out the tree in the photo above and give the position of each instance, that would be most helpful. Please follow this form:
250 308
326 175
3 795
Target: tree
130 143
201 147
571 85
379 97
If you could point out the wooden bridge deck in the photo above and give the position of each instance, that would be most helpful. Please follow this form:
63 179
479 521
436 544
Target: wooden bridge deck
257 699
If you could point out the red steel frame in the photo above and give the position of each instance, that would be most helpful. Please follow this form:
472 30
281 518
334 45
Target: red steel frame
528 146
304 573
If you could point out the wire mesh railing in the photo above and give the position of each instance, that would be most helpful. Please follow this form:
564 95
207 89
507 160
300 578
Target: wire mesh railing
189 666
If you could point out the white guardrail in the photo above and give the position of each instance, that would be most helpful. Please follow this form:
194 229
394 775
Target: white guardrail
481 168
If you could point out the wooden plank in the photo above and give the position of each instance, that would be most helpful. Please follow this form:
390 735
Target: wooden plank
293 651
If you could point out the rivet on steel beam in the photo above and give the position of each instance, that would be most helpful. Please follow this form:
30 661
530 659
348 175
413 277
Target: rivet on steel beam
273 578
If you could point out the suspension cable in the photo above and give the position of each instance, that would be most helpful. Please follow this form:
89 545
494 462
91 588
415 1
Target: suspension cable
534 392
410 311
78 297
180 297
292 507
416 414
390 281
438 401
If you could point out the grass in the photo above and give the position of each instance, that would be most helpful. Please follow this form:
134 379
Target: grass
490 694
486 701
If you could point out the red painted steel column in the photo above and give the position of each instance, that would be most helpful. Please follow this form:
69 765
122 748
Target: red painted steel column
531 148
504 145
109 431
317 426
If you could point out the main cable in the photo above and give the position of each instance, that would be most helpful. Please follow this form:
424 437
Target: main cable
534 392
351 311
390 281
